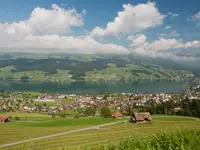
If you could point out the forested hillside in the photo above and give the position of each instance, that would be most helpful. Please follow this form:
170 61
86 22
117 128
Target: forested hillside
93 68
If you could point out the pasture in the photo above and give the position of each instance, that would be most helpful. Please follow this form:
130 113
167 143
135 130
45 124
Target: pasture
33 125
108 134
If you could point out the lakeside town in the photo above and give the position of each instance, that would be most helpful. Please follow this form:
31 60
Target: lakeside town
125 103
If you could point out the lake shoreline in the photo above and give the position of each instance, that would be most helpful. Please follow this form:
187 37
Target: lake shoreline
162 86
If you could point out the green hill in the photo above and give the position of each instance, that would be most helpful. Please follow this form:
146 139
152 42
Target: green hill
91 68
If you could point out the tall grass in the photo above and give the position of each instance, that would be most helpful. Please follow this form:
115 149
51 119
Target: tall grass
180 140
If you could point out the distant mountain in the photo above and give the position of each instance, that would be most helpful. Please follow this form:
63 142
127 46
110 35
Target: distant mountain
91 68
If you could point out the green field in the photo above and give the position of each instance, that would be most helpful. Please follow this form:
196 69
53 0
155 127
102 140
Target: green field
91 138
35 125
179 140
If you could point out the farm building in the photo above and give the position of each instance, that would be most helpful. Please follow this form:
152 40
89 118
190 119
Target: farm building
3 119
117 115
140 117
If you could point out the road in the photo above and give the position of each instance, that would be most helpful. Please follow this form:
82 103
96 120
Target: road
59 134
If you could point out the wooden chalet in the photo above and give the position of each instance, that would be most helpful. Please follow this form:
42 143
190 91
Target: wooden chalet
140 117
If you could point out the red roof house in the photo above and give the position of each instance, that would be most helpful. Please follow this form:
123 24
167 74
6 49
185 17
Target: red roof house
3 119
117 115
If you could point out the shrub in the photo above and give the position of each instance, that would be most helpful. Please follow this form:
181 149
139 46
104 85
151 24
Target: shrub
90 111
105 112
17 118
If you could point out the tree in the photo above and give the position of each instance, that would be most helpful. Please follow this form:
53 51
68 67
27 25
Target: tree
151 107
106 95
45 104
24 78
62 114
43 91
17 118
105 112
127 110
90 111
53 115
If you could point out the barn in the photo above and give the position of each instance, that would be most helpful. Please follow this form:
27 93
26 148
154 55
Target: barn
140 117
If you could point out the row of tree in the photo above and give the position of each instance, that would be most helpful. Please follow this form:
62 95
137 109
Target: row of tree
183 107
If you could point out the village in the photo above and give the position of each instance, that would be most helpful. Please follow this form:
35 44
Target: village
76 104
51 101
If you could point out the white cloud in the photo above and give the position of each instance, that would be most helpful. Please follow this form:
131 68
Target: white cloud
140 42
168 27
84 12
196 17
130 37
56 43
132 19
171 34
165 44
155 49
46 21
173 14
45 31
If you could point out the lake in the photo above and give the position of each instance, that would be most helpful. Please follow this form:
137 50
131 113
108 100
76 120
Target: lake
82 87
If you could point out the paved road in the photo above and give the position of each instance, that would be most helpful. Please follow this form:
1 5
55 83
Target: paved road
58 134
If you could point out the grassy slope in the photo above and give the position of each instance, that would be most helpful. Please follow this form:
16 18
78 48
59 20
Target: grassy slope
132 72
112 134
35 75
36 125
180 140
111 73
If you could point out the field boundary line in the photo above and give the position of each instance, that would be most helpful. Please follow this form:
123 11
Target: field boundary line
59 134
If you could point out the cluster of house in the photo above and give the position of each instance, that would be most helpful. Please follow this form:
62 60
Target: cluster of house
113 101
118 102
194 92
47 97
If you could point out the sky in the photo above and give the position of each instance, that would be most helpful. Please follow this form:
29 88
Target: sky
151 28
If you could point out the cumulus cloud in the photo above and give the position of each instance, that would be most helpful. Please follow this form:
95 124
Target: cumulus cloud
171 34
159 47
56 43
161 44
45 31
46 21
168 27
196 17
173 14
130 37
132 19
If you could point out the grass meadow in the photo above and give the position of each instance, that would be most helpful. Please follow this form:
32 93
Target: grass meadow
90 139
179 140
33 125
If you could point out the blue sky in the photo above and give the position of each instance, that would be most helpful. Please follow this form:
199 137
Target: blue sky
177 14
